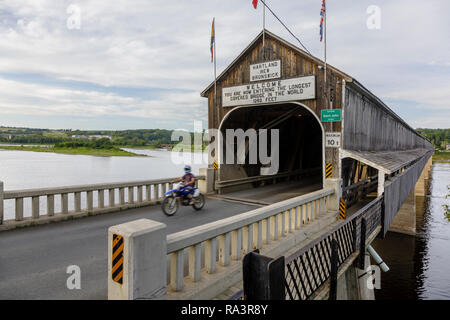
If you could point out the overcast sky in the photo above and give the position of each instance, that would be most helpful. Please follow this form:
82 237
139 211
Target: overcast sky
143 63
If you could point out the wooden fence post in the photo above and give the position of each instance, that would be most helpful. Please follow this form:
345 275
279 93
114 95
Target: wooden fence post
334 270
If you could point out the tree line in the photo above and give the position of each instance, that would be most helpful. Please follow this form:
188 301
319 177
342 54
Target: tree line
439 137
103 143
143 137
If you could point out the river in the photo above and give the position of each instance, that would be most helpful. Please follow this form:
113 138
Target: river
419 266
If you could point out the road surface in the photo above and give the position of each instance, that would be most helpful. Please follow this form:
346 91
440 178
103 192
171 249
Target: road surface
34 260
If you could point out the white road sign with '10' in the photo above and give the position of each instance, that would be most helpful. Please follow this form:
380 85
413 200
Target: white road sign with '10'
332 139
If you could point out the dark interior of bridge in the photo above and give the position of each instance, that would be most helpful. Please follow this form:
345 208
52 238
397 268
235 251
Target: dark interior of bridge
300 139
359 181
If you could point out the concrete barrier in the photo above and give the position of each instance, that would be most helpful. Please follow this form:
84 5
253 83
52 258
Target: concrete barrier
137 260
206 185
205 260
156 265
333 204
140 193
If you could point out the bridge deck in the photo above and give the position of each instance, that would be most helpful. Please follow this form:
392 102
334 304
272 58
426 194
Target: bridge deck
38 257
33 261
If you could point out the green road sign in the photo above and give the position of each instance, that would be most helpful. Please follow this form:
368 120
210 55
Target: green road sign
330 115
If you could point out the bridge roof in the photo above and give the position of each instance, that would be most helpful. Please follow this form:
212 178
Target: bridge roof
286 43
387 161
352 82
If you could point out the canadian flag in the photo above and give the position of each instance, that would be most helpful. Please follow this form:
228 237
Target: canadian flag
255 3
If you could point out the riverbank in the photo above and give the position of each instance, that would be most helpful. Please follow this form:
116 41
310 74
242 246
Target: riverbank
443 157
76 151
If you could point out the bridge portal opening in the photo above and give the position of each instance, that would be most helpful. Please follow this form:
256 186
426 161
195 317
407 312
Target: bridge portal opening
300 148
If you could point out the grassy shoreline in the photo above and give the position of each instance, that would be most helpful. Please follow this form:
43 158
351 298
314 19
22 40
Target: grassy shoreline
441 157
76 151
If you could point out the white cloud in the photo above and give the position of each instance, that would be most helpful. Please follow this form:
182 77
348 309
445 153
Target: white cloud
34 99
436 122
165 44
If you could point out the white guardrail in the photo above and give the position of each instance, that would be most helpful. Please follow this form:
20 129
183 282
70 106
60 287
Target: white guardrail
119 196
231 238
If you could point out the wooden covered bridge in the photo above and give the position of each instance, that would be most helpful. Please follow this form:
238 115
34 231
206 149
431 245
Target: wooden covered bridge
345 166
332 132
336 146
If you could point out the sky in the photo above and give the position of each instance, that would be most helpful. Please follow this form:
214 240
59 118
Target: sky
136 64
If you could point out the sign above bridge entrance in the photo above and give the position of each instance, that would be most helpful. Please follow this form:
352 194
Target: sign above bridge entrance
265 70
302 88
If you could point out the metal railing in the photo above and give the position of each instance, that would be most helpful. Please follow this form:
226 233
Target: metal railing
355 192
308 269
87 198
231 238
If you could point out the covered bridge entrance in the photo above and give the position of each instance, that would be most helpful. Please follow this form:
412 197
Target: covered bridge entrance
272 98
294 152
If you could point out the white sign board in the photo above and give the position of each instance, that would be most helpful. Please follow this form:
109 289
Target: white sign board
332 139
270 91
265 70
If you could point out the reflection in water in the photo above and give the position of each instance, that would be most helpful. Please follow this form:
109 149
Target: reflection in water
419 266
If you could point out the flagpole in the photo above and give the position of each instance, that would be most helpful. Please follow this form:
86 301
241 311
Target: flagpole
215 94
325 53
215 77
264 29
213 48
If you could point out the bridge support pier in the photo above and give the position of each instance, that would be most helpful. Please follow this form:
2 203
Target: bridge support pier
424 179
352 284
365 293
405 220
347 286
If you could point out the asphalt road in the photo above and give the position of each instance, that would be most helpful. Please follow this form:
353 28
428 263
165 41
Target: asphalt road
34 260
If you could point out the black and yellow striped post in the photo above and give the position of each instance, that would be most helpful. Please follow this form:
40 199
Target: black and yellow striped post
117 259
137 264
328 170
215 165
342 209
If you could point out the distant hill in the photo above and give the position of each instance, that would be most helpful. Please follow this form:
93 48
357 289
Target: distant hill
439 137
143 137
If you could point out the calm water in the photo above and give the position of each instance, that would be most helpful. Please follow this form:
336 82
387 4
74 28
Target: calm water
420 265
27 170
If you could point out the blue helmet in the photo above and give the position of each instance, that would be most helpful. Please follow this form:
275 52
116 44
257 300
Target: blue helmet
187 169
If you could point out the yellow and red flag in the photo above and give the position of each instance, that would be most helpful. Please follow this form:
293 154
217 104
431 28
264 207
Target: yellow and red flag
212 40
